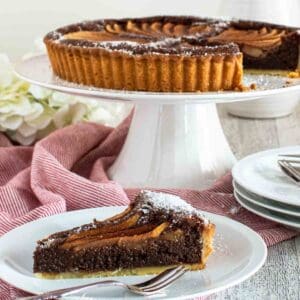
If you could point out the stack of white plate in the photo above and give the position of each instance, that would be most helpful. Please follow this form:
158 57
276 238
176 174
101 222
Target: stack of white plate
261 187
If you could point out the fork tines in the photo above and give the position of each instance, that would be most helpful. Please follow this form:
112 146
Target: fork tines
288 168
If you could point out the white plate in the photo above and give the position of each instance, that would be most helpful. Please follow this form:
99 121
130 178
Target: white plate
239 253
37 70
267 203
260 174
290 221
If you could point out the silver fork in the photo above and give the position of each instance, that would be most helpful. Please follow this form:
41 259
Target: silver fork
287 167
146 288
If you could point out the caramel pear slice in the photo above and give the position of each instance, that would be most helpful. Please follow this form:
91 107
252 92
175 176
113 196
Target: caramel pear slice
127 232
110 227
130 240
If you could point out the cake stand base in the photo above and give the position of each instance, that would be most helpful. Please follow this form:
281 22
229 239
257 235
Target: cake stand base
173 146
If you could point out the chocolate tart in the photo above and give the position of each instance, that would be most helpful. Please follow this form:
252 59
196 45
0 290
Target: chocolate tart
155 232
169 53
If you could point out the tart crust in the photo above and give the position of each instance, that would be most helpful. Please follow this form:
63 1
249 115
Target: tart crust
109 69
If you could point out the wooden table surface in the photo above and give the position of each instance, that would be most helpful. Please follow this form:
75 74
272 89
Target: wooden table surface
279 278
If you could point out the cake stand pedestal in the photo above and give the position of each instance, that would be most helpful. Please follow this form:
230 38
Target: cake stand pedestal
175 139
173 145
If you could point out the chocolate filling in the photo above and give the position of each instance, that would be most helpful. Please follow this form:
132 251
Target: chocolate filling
186 249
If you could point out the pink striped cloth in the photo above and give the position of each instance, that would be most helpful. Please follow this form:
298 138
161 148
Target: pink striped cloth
67 171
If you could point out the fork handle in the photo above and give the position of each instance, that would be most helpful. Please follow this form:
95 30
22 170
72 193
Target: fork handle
37 297
68 291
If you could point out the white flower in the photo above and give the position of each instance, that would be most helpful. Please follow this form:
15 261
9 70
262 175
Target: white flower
18 105
39 92
77 112
110 114
41 121
23 140
58 99
26 130
29 112
101 115
11 122
60 116
36 109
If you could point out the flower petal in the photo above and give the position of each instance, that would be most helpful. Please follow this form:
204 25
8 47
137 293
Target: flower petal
17 136
39 92
42 121
26 130
58 99
36 110
60 117
78 112
11 122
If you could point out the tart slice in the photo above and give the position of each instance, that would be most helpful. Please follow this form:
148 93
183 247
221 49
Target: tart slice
155 232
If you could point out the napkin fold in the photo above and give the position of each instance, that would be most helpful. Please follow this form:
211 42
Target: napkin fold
67 171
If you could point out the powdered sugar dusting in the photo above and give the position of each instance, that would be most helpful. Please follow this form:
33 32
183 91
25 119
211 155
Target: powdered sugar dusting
159 43
220 247
267 82
46 243
116 43
171 203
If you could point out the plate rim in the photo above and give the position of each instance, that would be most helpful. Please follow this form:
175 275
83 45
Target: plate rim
270 207
257 258
141 96
253 189
238 198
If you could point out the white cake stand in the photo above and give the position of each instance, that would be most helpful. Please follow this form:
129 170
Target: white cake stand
175 139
